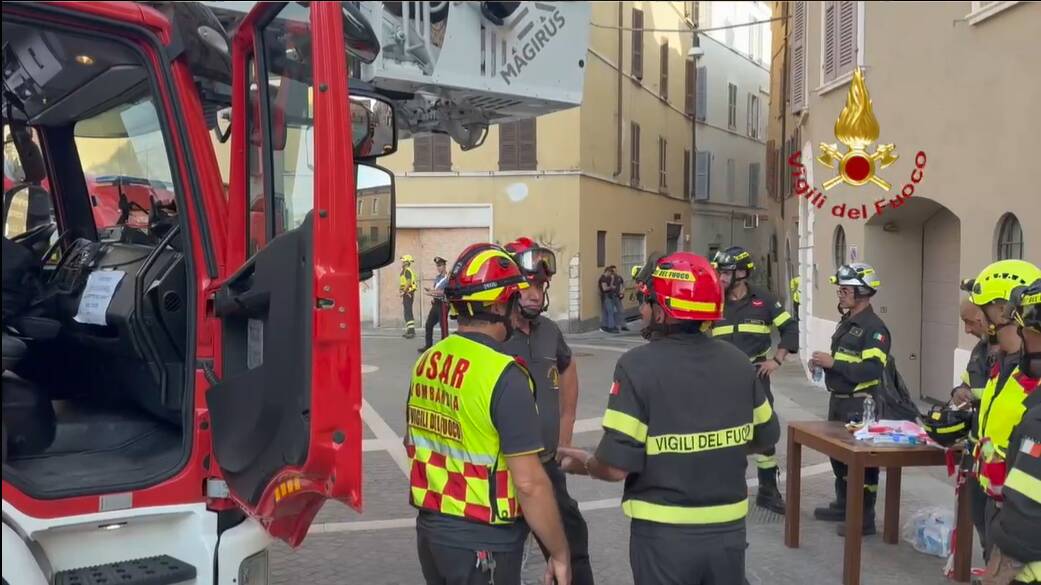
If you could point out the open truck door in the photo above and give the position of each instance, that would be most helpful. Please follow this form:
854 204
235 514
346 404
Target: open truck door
285 411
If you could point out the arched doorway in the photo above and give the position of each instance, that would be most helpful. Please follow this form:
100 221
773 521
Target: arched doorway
917 250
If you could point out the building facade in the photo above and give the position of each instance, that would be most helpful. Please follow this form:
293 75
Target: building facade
603 184
947 89
732 96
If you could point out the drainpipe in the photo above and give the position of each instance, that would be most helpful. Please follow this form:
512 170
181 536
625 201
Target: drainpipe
781 168
618 135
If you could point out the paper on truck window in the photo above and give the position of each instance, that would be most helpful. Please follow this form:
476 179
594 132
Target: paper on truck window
101 287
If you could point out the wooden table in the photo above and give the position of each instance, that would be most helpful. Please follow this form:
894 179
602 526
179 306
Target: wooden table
832 439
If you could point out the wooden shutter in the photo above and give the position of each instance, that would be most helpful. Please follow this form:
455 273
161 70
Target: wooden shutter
663 164
701 100
527 147
508 146
686 174
748 115
423 154
703 165
797 49
688 87
442 153
753 185
829 51
847 37
634 150
731 180
637 43
663 78
771 169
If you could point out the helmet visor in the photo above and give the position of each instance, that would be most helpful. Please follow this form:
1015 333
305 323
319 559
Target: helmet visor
535 259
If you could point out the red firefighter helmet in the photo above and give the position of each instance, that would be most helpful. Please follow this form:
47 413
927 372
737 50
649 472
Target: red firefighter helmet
685 285
535 261
484 274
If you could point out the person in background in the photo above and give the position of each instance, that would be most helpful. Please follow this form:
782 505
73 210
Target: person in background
796 296
539 342
436 316
1016 553
608 299
618 286
407 289
852 372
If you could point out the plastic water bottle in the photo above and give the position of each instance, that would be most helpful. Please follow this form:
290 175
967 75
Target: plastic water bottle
869 411
818 373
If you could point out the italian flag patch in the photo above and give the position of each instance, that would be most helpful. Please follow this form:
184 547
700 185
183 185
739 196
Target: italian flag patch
879 337
1031 448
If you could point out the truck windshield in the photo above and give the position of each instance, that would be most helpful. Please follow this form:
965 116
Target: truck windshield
126 165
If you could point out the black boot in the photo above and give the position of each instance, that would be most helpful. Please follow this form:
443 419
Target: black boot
868 527
769 496
836 510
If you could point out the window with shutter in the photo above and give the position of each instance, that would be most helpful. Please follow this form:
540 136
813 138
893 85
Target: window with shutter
423 153
847 38
686 174
731 106
702 178
731 180
771 169
663 78
797 50
829 54
701 98
637 55
601 248
527 147
442 153
748 115
508 146
753 185
663 164
634 151
688 87
518 148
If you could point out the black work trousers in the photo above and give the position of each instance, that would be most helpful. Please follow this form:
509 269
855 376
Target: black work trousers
446 565
670 555
575 528
407 300
434 319
845 409
767 460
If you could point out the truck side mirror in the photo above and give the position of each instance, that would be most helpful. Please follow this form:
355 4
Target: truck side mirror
374 189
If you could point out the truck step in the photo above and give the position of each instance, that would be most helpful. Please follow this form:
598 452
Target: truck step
161 570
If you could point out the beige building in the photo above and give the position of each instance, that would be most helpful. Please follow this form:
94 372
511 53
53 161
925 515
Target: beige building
601 184
948 79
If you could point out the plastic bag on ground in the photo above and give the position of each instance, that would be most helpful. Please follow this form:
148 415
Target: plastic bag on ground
930 531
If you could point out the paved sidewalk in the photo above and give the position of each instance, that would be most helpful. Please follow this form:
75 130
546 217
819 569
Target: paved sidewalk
378 548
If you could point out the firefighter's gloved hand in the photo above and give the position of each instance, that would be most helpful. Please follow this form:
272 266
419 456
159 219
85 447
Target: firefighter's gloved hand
1001 570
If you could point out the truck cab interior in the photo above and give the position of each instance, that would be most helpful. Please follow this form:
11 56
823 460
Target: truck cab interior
97 285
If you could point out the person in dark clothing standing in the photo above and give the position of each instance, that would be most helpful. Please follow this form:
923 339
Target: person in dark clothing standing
749 316
539 342
852 372
437 314
608 301
683 413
